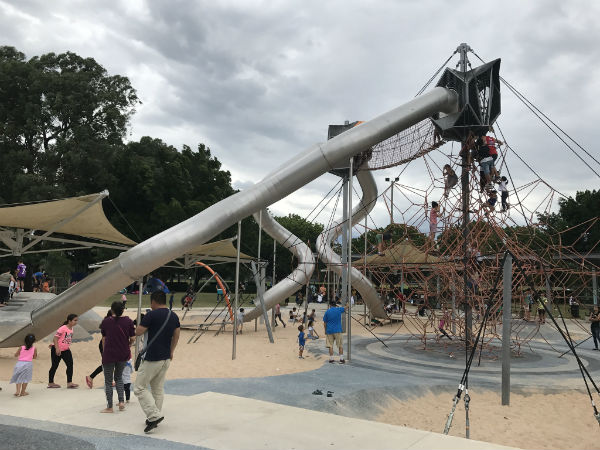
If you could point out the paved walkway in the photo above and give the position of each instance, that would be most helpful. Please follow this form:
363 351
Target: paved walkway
71 419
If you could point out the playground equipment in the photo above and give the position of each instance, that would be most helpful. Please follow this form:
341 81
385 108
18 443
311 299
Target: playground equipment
333 261
176 241
297 279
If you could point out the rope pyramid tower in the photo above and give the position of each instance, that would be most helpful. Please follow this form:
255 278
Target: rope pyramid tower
434 275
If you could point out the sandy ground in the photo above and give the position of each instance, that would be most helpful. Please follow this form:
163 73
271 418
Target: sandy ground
210 357
532 421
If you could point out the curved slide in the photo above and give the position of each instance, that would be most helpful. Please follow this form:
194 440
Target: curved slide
298 278
333 261
177 240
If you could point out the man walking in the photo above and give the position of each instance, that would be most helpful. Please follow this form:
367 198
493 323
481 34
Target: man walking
332 322
163 334
278 315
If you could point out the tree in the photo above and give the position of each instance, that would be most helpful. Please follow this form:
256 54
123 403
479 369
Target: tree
62 117
576 221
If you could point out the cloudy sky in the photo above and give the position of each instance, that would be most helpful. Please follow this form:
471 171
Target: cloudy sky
259 81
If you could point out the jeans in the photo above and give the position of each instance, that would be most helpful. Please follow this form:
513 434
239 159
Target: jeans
115 368
486 165
596 335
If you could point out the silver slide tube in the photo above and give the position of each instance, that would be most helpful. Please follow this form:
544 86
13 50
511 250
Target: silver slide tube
179 239
298 278
333 261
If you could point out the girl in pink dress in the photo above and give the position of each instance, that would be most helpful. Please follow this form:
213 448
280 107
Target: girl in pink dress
24 368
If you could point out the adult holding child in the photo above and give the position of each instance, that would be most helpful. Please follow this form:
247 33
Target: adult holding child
163 334
60 349
118 334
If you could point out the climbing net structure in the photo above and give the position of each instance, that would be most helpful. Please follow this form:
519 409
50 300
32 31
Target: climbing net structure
451 270
431 273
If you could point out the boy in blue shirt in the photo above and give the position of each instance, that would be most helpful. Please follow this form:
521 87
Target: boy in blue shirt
332 322
301 341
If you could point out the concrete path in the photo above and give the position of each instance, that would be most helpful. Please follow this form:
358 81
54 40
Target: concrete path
207 420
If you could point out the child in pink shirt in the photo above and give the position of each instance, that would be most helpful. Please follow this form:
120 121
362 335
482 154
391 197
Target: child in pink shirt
24 368
61 349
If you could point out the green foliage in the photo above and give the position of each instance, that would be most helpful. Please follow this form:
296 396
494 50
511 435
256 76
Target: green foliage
576 221
62 117
62 123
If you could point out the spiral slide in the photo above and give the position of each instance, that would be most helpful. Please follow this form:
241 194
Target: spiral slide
333 261
177 240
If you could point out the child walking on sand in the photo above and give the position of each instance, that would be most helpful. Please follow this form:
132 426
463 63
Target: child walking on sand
301 341
24 368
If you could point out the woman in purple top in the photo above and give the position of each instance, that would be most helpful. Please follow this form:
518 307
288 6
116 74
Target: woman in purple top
21 272
118 335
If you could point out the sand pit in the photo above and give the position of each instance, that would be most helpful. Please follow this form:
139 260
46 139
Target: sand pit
210 357
534 420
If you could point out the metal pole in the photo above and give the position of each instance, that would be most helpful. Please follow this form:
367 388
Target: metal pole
258 259
392 201
437 292
464 178
344 259
273 280
350 175
237 287
365 271
139 315
594 288
259 294
453 309
506 325
548 291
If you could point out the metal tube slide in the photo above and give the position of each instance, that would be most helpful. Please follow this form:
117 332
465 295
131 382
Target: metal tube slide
177 240
333 261
298 278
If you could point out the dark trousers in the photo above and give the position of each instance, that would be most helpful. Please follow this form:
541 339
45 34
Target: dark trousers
99 368
596 335
127 387
278 316
116 369
67 357
504 198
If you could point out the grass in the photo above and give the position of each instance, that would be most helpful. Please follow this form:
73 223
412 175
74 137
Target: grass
203 299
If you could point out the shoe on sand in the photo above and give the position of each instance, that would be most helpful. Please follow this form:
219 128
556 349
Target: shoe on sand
89 381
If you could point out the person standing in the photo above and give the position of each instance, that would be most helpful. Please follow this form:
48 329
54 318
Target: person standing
542 301
24 368
332 323
278 315
595 326
240 321
61 349
118 336
163 335
21 273
301 341
89 379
